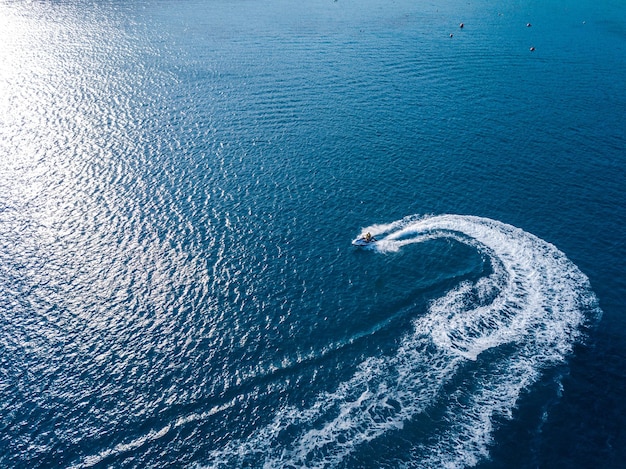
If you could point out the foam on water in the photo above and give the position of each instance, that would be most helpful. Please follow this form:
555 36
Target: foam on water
531 309
152 436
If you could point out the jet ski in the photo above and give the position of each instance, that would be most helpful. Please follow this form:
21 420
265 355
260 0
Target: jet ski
365 240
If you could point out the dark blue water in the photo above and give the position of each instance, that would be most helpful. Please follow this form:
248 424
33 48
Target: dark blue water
180 184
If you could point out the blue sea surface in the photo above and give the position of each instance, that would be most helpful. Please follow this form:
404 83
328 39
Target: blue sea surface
181 183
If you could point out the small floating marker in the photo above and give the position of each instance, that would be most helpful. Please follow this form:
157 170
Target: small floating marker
451 35
461 25
528 25
532 49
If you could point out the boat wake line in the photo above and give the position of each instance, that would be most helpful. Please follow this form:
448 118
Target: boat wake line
468 359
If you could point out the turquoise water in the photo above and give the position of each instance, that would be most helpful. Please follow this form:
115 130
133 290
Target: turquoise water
179 189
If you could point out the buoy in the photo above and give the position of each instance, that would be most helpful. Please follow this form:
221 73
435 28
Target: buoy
528 25
461 25
532 49
451 35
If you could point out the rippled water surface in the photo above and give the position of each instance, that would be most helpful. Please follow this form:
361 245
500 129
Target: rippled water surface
180 185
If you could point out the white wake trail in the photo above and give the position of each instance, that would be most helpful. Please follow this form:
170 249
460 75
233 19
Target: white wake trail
532 308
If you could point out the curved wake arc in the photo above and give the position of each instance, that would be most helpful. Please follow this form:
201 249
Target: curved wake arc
535 301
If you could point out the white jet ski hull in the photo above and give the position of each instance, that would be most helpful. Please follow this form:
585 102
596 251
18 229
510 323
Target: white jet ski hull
362 242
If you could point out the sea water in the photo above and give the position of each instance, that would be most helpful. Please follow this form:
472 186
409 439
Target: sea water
180 184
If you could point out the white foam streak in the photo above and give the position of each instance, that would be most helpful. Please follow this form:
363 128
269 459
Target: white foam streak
534 302
153 435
